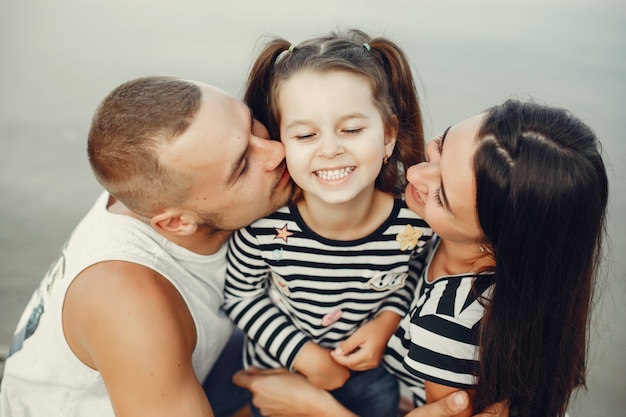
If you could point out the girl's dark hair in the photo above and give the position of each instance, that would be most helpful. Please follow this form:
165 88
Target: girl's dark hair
542 192
381 61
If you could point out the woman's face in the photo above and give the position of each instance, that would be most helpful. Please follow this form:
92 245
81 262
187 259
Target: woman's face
443 190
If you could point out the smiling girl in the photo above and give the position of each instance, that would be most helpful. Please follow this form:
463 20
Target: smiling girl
320 286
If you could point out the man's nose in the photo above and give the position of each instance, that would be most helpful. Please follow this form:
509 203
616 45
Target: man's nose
273 152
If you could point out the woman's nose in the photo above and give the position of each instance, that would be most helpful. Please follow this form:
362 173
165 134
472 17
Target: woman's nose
421 175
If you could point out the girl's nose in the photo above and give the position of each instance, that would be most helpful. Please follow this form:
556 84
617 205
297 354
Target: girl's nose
330 146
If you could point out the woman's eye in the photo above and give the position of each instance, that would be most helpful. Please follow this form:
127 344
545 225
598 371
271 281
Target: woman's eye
437 143
437 196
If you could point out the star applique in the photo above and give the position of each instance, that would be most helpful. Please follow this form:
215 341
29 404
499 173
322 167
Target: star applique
282 233
408 237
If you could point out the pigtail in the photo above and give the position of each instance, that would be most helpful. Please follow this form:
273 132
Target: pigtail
409 148
258 90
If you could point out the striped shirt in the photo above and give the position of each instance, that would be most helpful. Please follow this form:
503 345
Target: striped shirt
438 340
286 285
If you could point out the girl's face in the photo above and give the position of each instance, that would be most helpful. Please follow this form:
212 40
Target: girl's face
443 189
333 133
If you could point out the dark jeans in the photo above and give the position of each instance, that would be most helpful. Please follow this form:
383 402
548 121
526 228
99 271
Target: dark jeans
372 393
225 397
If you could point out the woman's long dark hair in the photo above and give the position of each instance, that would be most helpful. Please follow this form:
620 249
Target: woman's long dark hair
542 192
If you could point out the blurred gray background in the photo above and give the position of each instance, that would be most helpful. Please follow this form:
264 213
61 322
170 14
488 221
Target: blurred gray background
59 59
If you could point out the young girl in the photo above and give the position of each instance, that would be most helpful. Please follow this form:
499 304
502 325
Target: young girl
326 276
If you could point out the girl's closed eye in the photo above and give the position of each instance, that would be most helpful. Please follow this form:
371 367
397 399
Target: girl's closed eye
304 136
353 131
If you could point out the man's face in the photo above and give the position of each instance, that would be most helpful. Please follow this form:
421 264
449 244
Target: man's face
238 175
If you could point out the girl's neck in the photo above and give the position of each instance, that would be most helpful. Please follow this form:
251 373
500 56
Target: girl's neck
351 220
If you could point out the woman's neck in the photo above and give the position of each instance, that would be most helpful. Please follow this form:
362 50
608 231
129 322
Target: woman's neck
453 258
346 221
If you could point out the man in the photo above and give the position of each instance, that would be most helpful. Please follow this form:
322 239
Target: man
128 321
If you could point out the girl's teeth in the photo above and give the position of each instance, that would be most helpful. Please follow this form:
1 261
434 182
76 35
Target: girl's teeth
334 174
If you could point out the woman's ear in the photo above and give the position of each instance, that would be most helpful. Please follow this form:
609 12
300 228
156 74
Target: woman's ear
175 222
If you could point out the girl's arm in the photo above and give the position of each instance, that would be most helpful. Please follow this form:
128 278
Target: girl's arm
247 302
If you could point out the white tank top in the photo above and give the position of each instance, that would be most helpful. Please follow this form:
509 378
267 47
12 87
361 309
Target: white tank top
42 377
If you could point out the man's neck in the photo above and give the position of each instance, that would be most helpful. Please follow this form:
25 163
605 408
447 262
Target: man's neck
204 241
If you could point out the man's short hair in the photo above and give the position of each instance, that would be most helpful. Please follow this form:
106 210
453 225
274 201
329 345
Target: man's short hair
129 128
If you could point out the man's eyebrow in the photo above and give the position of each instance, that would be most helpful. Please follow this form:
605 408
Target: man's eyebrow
234 170
444 198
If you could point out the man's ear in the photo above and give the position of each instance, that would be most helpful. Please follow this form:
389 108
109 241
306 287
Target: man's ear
175 222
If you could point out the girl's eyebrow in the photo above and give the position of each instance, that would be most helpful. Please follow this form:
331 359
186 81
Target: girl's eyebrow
442 189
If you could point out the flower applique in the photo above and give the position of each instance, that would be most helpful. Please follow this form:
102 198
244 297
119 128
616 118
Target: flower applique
408 237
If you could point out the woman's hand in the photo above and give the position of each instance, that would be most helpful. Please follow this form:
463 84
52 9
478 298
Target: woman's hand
456 403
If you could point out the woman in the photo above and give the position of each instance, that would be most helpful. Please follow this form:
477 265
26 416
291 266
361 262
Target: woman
517 197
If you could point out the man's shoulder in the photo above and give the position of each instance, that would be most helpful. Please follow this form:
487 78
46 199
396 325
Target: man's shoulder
125 301
121 280
118 291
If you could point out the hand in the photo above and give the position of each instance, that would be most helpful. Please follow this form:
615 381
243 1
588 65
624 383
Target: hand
317 365
280 393
500 409
365 348
454 404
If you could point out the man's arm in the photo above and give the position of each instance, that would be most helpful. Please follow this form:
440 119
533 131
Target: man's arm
131 325
280 393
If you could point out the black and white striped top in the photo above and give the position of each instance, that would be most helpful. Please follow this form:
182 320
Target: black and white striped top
286 285
438 340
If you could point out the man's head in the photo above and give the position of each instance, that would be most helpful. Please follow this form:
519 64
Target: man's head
185 154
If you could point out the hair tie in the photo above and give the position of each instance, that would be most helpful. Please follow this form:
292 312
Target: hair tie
292 47
367 46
